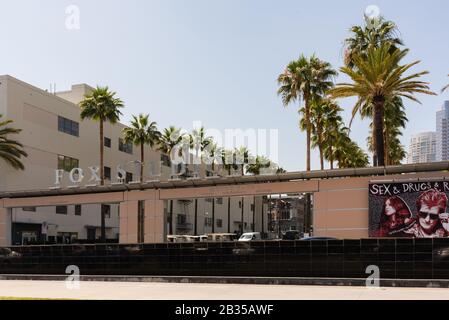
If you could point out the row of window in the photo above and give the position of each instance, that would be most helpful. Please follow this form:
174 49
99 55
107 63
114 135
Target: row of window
181 219
105 209
208 222
220 201
72 128
217 200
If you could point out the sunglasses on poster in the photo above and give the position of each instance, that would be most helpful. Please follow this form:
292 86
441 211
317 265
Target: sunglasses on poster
432 216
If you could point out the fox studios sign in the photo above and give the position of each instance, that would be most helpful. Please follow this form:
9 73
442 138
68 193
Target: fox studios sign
92 177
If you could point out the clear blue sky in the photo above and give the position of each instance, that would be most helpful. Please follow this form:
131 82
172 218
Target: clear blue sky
211 60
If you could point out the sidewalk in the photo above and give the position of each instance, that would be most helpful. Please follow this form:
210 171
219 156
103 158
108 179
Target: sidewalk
180 291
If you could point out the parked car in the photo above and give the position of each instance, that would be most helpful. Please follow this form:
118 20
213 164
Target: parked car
221 237
250 236
291 235
7 255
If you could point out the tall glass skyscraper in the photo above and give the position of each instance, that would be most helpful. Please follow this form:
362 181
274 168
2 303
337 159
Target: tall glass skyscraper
443 133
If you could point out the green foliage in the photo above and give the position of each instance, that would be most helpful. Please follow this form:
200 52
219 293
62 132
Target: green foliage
142 131
11 151
101 105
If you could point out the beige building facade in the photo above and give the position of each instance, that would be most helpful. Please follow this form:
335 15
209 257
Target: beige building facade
55 138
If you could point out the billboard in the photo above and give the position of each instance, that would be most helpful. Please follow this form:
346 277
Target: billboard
409 209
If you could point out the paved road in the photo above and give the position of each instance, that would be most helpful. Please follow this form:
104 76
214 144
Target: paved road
175 291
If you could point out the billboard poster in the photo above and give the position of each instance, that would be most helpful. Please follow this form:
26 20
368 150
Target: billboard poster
409 209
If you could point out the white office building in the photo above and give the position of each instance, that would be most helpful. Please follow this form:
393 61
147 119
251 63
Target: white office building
423 148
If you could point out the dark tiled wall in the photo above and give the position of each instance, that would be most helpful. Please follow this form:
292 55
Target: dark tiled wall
396 258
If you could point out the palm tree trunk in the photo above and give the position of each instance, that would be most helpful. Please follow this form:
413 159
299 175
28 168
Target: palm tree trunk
170 219
196 217
331 155
309 131
387 149
102 218
142 159
379 130
229 214
321 157
242 230
320 143
103 226
213 215
102 152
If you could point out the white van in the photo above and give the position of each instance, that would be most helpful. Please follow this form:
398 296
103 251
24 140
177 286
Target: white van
251 236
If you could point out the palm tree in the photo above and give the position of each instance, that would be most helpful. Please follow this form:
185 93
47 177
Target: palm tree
228 159
259 163
378 80
331 129
347 153
242 158
303 79
170 138
395 119
323 115
281 170
11 151
142 132
101 105
385 32
199 141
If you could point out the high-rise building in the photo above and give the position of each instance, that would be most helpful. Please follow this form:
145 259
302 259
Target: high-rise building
423 148
443 133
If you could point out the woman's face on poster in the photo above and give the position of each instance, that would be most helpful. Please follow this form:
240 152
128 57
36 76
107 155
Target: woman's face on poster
389 209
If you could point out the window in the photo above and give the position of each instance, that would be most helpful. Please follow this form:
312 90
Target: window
208 222
129 177
61 209
107 142
125 147
68 126
67 163
165 160
107 173
208 199
181 219
219 200
29 209
219 223
78 210
106 211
